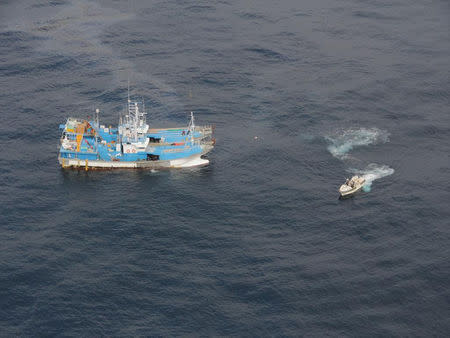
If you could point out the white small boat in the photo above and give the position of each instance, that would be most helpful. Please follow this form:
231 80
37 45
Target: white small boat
351 186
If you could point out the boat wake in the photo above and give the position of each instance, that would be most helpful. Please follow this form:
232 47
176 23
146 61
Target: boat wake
372 172
343 142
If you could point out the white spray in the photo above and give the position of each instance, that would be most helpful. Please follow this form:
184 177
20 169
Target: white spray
373 172
343 142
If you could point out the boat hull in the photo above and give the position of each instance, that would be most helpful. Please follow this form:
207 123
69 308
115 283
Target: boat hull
350 193
188 162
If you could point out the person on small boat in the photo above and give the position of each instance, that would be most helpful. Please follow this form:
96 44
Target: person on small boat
349 182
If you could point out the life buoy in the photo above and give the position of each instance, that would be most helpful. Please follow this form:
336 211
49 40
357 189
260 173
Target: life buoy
133 151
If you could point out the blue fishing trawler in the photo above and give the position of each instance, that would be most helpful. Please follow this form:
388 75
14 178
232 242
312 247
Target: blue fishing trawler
87 144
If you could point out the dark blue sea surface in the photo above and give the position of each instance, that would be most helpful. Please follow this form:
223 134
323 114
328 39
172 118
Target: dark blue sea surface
303 94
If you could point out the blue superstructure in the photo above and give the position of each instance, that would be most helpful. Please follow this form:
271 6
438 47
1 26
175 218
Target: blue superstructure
133 144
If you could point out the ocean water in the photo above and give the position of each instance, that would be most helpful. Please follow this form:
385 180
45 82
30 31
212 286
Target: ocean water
257 243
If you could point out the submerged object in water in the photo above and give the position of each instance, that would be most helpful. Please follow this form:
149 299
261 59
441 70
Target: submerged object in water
133 144
351 186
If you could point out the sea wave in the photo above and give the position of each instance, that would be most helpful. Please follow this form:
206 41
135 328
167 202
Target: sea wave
344 141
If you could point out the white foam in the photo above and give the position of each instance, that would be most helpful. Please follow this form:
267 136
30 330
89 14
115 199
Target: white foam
373 172
344 141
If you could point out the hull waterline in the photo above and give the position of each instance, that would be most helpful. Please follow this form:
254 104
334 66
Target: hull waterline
190 162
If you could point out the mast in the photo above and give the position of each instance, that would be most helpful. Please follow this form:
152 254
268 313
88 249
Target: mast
144 120
97 111
192 127
136 116
128 90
